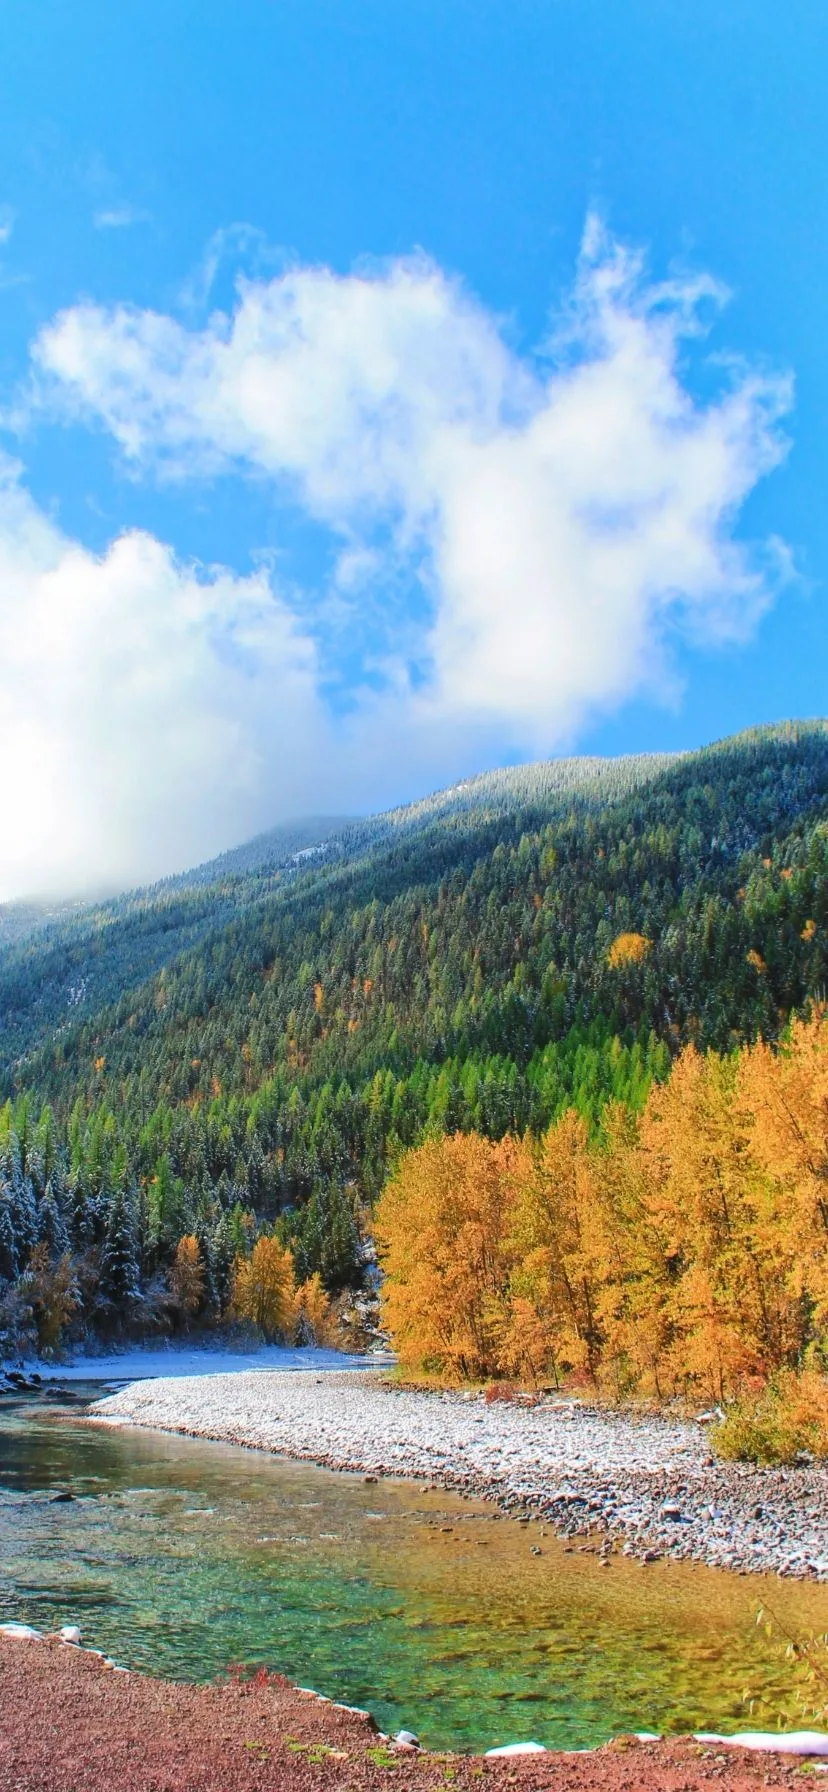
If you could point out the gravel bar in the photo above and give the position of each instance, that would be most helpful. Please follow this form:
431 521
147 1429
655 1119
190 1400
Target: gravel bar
647 1483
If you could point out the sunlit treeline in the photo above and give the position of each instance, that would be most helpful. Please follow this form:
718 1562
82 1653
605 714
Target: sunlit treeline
685 1249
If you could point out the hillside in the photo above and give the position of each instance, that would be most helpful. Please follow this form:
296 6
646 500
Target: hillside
450 965
60 962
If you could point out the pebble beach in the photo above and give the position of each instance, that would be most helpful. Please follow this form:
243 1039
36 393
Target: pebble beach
643 1484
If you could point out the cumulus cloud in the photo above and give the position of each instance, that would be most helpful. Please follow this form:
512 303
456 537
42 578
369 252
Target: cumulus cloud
519 537
146 707
563 513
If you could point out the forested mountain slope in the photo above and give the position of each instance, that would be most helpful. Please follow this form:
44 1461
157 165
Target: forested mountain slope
539 938
61 962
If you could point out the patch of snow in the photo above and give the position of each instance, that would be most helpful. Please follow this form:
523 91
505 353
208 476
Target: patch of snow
777 1742
147 1363
516 1748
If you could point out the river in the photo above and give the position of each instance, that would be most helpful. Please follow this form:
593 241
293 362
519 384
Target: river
181 1557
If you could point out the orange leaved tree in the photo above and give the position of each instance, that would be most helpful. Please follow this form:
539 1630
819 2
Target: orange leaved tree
683 1251
187 1275
314 1318
628 948
264 1289
556 1247
442 1226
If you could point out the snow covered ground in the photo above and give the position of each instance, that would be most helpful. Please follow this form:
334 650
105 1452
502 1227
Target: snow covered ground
173 1360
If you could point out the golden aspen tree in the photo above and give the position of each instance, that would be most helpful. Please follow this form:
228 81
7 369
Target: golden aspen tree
52 1293
442 1225
732 1316
554 1243
783 1096
264 1289
634 1263
628 948
187 1275
313 1312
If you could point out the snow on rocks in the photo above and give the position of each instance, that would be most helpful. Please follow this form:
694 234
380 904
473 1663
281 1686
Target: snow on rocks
646 1481
516 1748
772 1742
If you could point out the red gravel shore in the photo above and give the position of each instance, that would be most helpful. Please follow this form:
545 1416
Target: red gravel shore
70 1724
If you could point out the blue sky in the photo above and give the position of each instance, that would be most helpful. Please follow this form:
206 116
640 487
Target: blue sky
282 633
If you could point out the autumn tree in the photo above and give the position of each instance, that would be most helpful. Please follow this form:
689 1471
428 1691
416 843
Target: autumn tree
628 948
264 1289
680 1251
554 1242
187 1275
783 1098
315 1320
51 1293
443 1225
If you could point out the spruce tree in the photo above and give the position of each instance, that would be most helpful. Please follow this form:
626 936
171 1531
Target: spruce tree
9 1260
119 1285
52 1229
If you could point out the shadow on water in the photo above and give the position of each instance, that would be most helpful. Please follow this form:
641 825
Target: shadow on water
180 1557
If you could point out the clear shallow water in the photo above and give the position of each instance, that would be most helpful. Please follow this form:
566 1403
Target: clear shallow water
181 1557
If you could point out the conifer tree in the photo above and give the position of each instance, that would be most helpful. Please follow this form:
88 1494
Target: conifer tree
119 1285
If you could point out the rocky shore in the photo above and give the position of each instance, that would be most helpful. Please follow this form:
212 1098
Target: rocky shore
71 1724
647 1484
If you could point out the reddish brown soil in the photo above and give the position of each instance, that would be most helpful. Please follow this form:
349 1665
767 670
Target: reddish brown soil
69 1724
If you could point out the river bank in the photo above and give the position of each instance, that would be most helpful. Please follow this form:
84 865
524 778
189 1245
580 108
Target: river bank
647 1484
71 1724
164 1358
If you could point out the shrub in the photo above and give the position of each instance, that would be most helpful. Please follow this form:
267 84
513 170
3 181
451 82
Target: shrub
788 1418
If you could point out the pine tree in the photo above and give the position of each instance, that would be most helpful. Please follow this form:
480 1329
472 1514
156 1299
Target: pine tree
9 1259
119 1284
52 1229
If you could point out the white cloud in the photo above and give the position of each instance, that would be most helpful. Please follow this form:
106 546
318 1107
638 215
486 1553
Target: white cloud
119 217
7 221
564 515
146 707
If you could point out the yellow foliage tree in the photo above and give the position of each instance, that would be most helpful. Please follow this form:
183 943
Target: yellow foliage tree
264 1289
313 1313
442 1226
555 1245
187 1275
52 1294
628 948
685 1252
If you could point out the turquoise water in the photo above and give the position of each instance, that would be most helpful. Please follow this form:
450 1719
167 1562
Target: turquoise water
181 1558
